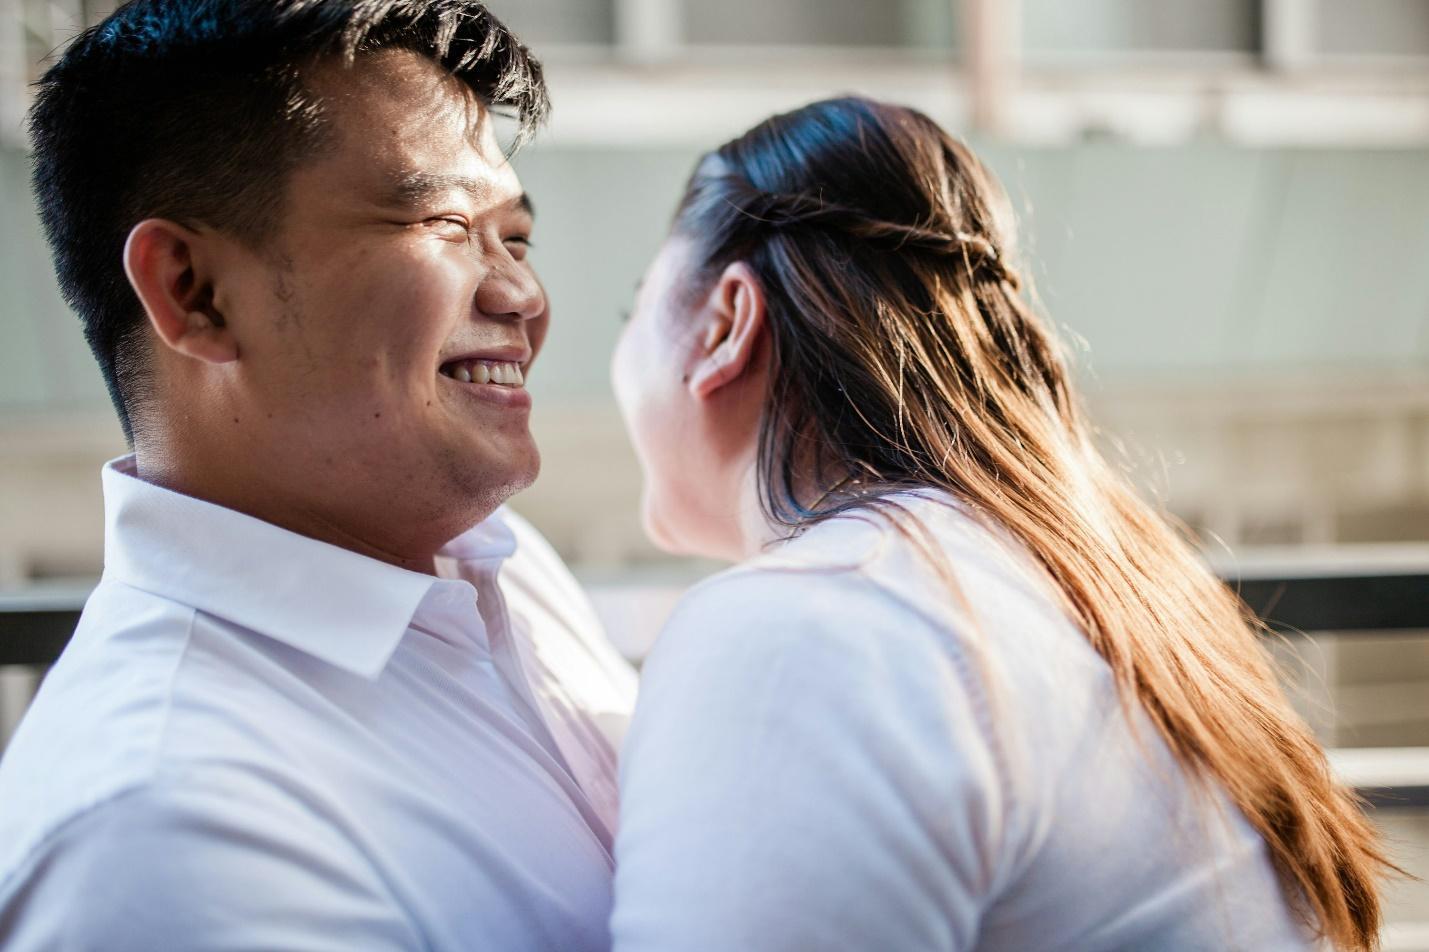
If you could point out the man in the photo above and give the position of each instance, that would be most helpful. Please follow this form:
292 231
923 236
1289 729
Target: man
295 715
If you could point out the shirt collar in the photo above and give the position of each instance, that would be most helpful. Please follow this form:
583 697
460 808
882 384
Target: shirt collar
491 540
343 608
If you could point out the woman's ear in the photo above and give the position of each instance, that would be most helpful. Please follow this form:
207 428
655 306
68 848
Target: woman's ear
170 273
730 341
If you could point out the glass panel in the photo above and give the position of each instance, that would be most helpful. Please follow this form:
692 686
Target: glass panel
1133 26
582 22
1370 27
847 23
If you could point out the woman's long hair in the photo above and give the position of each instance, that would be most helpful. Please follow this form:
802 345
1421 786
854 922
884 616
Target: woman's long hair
903 354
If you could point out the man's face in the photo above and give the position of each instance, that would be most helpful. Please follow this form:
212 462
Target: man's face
399 314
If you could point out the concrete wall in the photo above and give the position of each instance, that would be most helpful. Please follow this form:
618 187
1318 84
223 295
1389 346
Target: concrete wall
1256 320
1255 325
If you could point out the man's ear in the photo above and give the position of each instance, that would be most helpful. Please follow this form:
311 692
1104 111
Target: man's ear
170 272
735 326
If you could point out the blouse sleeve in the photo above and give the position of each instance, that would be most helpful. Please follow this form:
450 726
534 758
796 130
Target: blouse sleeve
810 766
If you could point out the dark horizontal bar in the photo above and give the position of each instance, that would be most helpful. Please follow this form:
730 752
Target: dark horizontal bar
1347 603
1415 797
35 634
35 637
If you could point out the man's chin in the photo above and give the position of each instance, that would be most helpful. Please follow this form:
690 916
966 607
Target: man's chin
528 476
495 481
529 468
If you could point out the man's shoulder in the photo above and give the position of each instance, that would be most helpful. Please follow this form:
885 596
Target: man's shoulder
95 730
243 853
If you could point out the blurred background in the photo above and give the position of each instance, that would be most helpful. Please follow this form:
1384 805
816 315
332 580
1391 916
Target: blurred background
1224 205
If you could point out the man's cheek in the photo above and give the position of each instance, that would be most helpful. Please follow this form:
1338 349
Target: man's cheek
537 333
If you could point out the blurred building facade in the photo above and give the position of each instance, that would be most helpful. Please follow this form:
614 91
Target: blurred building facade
1224 206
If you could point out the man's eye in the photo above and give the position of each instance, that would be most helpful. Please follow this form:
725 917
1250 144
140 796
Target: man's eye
445 221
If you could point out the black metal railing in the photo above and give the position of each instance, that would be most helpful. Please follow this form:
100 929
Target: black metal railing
1337 596
1346 599
34 628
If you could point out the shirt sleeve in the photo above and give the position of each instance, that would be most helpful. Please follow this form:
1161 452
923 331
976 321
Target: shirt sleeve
810 766
201 863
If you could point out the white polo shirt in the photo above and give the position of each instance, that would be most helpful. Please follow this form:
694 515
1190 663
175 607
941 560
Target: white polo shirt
256 740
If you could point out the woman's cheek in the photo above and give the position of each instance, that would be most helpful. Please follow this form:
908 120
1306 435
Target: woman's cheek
624 383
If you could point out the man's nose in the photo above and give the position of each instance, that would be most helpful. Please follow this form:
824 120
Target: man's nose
511 291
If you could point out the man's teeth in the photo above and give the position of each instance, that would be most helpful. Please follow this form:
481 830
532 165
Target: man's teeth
502 373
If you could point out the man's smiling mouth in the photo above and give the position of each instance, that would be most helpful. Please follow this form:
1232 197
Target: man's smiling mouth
498 372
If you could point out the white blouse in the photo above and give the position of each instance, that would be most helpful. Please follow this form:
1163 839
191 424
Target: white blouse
827 753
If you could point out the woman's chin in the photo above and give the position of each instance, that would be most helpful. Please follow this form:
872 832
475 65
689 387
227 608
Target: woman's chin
661 536
671 537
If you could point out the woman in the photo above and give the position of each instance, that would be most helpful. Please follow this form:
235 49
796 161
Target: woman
964 689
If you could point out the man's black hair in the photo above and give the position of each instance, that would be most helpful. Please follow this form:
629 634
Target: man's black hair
196 111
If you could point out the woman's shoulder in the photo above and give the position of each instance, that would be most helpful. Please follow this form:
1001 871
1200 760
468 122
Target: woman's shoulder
826 650
932 602
922 554
767 607
854 591
799 719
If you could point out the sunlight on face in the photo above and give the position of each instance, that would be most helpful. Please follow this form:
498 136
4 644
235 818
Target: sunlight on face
403 249
686 446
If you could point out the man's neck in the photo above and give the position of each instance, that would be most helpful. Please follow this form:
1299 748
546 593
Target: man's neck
255 495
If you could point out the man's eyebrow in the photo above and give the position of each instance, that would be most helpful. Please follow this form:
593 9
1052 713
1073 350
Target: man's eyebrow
413 188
